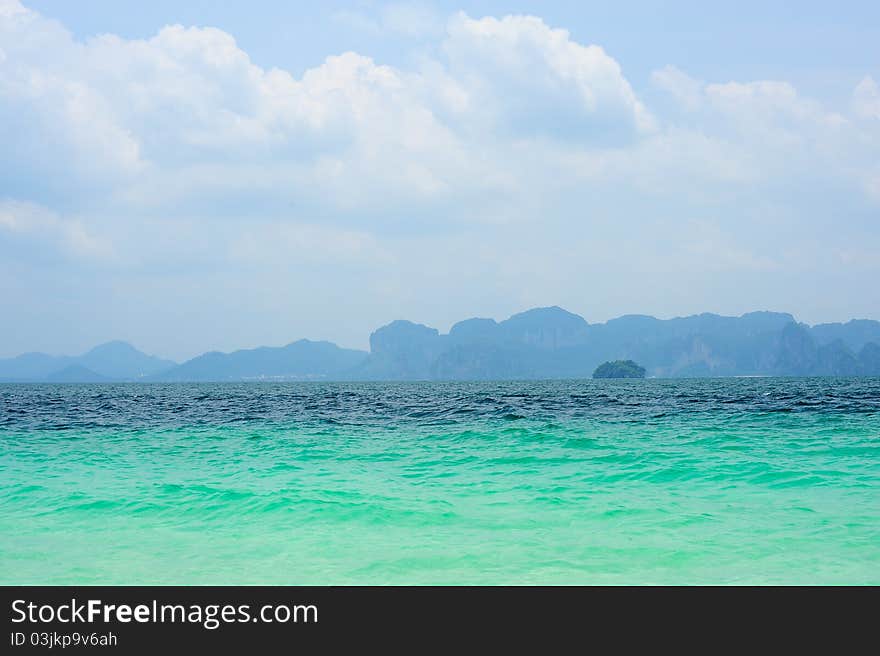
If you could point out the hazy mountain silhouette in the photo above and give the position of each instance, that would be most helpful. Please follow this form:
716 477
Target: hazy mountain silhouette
76 373
539 343
855 334
113 361
121 360
553 343
301 360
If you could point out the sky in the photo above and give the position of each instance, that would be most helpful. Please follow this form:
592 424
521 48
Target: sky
193 176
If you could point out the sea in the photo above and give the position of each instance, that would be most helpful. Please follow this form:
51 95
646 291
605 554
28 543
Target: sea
697 481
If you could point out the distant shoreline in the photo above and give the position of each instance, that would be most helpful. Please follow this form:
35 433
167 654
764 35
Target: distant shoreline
353 381
543 343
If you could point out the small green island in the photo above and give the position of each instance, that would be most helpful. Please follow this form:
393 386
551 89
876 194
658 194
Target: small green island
619 369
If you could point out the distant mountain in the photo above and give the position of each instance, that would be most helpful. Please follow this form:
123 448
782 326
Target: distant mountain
548 328
76 373
302 360
32 366
553 343
121 360
869 359
545 342
855 334
801 355
113 361
402 350
527 345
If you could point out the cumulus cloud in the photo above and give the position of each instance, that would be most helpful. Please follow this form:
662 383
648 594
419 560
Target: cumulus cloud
509 161
186 119
189 105
522 75
25 220
187 112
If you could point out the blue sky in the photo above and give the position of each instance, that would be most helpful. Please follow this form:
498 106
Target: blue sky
201 175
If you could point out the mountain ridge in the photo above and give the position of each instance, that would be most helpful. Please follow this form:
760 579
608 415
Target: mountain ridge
546 342
114 361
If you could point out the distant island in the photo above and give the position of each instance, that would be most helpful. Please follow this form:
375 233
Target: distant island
542 343
619 369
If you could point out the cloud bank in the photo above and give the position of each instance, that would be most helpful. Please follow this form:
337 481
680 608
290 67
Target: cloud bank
512 167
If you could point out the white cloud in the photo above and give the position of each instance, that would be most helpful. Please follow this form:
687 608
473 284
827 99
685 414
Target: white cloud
866 99
770 105
188 107
121 112
185 118
70 235
686 90
533 80
514 159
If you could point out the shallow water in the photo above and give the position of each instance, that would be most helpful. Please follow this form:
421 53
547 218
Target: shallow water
558 482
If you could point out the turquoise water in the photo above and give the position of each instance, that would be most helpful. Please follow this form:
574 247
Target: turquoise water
691 481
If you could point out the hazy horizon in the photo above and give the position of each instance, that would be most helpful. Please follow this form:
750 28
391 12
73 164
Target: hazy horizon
366 346
188 178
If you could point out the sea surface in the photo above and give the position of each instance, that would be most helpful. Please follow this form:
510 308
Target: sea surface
731 481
